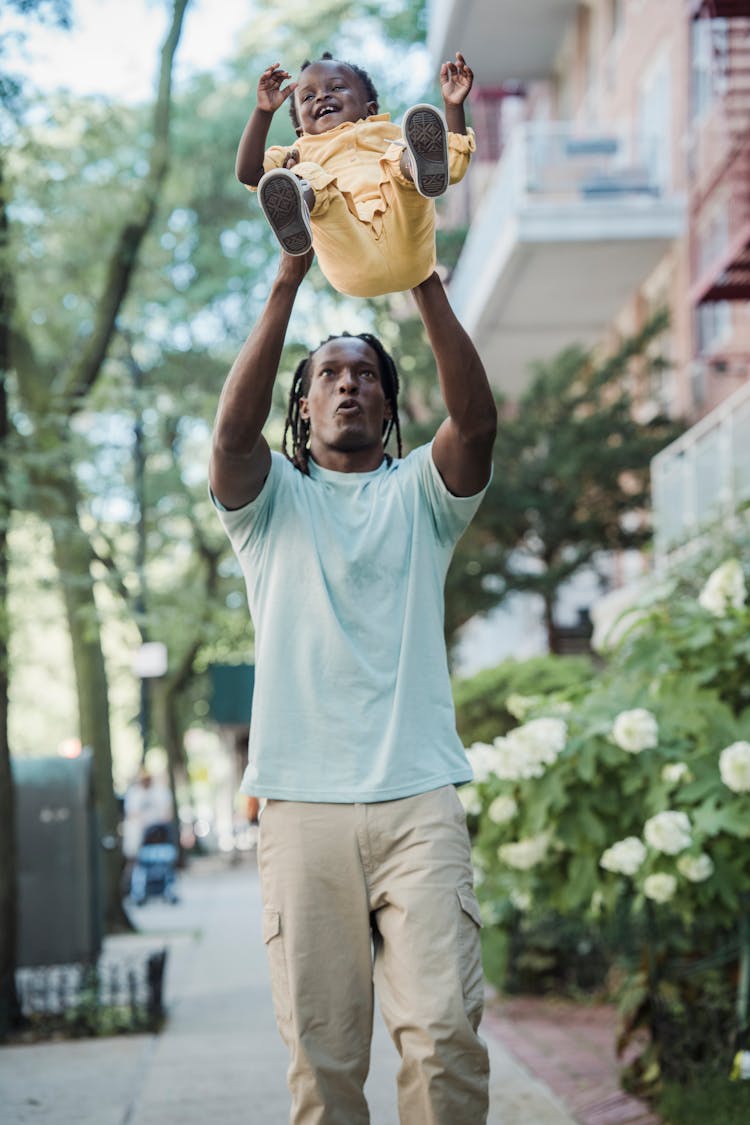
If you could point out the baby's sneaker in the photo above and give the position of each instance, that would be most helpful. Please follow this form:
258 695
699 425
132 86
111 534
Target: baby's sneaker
280 195
426 140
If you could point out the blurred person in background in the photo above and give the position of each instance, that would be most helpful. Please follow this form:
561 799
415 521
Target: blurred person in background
148 802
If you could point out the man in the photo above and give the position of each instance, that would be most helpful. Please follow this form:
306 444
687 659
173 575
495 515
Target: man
364 856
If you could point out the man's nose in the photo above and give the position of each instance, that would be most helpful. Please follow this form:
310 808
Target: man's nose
347 381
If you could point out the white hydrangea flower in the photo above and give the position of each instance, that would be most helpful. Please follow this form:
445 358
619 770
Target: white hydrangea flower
482 759
668 832
524 752
724 588
470 799
635 731
525 853
519 705
502 809
696 868
734 767
512 763
675 772
659 887
624 857
544 737
521 900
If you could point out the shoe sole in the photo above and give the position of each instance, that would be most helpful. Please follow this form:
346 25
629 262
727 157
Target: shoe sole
427 143
285 209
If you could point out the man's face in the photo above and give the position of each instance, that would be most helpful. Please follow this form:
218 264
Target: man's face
329 93
345 403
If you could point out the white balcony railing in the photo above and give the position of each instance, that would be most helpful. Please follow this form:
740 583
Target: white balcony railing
703 478
560 182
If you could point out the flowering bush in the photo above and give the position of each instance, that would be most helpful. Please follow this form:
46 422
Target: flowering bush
637 789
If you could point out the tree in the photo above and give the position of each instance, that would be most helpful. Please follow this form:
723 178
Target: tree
10 90
54 380
571 481
198 274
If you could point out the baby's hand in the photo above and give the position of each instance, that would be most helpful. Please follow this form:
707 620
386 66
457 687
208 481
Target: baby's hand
456 80
270 95
291 158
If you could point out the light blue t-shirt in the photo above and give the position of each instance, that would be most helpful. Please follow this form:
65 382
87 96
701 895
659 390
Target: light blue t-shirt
345 575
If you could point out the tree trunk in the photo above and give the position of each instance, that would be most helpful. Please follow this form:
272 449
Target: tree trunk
549 624
172 732
73 558
9 1007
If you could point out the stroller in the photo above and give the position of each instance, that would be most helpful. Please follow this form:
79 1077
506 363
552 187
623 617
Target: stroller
154 870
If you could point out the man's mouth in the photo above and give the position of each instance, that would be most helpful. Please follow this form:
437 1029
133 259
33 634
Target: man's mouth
348 406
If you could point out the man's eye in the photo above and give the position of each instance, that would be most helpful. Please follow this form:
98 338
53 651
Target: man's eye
306 97
368 374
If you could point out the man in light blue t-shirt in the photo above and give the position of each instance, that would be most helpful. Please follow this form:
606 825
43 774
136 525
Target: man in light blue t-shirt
364 855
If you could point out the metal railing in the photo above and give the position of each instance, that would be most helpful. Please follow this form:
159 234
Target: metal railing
551 163
703 478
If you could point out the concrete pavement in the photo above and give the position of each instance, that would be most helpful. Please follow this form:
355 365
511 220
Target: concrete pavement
219 1056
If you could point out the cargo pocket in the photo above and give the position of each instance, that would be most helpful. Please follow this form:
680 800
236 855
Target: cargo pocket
470 955
274 941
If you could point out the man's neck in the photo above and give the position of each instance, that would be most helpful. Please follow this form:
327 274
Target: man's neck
348 461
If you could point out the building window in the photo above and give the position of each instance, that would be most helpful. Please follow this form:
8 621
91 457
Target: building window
709 54
713 326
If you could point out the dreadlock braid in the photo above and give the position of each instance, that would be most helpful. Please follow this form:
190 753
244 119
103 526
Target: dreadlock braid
298 428
371 94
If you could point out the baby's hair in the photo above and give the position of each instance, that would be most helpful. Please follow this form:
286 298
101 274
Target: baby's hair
299 428
369 86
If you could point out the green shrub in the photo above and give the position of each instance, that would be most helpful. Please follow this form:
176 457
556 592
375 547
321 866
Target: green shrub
481 711
629 797
707 1097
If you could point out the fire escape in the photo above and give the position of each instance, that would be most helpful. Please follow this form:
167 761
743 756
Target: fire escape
720 197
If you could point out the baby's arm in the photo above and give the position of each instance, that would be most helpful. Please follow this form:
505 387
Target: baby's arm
249 163
456 80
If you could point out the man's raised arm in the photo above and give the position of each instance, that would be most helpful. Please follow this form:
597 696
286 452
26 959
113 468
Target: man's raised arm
240 457
462 449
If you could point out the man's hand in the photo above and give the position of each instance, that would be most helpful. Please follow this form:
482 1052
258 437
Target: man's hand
270 95
294 267
456 79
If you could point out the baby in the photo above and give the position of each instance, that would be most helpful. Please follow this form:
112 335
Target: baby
356 187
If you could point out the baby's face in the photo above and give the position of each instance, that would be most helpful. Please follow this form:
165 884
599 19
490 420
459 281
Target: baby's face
329 93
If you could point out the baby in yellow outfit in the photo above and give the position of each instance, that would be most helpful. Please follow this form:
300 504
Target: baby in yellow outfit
361 191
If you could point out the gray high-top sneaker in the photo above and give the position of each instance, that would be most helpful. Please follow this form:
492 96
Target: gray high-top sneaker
426 139
280 195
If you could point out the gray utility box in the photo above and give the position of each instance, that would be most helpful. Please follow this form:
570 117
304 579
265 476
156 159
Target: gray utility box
59 879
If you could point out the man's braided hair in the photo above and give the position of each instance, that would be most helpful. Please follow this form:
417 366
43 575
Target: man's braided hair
371 94
297 428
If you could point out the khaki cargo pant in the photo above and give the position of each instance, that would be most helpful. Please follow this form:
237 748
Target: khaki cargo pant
375 892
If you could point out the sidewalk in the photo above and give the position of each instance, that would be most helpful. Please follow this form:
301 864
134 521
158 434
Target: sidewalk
220 1056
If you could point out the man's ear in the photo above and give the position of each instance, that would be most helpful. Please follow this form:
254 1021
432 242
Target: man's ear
388 409
372 108
304 409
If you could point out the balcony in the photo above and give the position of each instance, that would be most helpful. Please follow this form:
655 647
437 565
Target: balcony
720 163
720 239
502 39
567 230
702 478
